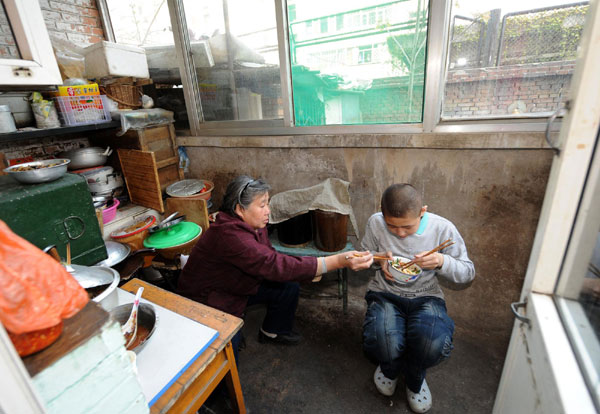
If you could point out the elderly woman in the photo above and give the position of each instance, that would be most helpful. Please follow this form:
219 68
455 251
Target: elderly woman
234 265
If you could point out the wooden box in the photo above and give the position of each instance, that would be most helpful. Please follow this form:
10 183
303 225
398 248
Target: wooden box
146 178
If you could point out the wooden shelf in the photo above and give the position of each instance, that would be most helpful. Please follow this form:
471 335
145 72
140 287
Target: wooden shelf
40 133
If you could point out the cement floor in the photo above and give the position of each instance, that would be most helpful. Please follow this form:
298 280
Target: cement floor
327 372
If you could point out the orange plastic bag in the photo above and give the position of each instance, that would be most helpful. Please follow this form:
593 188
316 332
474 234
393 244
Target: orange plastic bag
36 292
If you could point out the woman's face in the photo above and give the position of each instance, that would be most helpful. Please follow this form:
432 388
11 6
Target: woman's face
257 213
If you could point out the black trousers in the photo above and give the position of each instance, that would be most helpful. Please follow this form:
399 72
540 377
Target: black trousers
281 299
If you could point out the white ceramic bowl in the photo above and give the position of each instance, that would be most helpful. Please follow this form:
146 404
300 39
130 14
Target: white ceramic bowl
406 276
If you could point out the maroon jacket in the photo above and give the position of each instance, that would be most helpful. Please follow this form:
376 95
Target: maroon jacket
230 261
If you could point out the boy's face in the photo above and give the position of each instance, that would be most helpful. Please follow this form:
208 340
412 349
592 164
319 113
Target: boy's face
404 226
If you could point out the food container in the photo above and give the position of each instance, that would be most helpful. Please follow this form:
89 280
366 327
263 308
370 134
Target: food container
31 342
406 276
331 230
191 189
105 279
109 213
86 157
134 234
36 172
295 232
147 322
105 59
175 240
7 122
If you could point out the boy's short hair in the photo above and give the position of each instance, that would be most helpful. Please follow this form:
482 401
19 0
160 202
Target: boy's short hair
401 200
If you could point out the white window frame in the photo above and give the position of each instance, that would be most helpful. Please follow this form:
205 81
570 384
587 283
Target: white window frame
436 62
37 65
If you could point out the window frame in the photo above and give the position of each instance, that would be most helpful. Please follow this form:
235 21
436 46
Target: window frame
436 67
37 65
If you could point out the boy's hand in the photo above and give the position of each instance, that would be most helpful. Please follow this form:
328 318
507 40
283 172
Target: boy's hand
433 261
385 266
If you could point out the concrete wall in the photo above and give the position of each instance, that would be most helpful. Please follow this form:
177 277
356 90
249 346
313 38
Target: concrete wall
493 196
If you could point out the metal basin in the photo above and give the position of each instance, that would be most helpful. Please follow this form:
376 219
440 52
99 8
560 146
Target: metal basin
40 172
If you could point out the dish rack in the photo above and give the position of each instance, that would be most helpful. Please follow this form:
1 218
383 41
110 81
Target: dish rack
81 110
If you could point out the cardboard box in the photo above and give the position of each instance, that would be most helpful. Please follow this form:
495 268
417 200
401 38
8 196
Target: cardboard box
78 90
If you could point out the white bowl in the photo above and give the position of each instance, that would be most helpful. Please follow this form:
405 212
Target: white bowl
407 276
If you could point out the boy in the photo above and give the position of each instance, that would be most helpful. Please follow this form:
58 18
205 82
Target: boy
406 328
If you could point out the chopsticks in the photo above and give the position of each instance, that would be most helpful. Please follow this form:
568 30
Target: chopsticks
445 244
374 257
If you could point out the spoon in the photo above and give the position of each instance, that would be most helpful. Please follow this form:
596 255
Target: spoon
129 330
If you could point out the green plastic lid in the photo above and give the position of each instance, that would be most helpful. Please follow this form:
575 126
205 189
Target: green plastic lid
173 236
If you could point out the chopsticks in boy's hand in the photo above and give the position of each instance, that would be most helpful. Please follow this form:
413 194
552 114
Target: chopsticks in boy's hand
445 244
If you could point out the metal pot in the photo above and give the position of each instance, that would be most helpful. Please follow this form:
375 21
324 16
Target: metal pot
86 157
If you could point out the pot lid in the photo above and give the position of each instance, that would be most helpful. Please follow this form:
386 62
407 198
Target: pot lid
117 252
173 236
135 228
185 188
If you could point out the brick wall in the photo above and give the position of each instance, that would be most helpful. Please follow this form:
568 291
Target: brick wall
74 20
538 87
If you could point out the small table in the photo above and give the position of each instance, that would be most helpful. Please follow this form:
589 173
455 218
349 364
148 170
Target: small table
197 382
311 250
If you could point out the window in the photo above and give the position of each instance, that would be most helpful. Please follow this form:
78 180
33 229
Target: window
341 91
364 54
511 59
242 80
324 25
152 31
26 56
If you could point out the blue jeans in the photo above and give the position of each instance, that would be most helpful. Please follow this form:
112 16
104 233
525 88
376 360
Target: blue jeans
406 336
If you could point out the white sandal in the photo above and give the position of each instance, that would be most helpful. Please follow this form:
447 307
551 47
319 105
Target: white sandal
384 385
419 402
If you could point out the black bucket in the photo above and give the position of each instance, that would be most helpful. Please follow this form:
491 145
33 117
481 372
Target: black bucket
295 232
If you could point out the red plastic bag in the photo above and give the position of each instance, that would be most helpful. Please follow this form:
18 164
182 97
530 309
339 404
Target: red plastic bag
36 292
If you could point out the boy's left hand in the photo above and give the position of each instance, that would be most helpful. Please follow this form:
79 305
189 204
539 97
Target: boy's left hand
433 261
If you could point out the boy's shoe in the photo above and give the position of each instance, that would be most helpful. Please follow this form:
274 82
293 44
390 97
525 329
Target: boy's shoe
292 338
419 402
384 385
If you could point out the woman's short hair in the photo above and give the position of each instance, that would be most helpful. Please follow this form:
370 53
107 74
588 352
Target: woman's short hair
401 200
242 190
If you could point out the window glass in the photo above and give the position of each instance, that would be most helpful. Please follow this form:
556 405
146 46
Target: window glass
358 61
8 46
511 58
147 24
237 59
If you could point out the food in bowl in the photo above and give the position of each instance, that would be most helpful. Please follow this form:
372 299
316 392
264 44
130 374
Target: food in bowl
404 275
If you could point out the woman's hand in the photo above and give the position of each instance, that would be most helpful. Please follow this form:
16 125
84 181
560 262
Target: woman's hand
355 260
433 261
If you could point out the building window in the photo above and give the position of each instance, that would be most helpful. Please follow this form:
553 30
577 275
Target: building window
364 54
330 90
324 25
510 61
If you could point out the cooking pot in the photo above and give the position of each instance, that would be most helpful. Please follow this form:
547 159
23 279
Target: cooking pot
175 240
86 157
100 282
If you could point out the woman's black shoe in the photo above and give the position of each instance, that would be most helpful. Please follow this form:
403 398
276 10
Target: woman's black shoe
292 338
